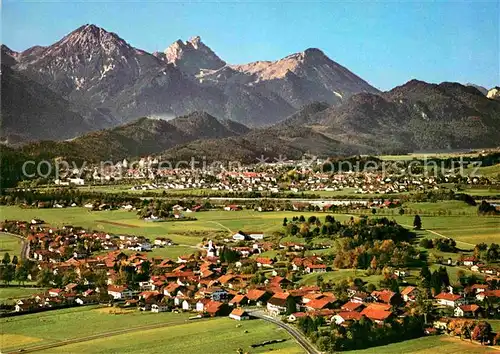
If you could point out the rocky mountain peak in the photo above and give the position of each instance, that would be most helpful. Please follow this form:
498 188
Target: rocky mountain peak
9 51
9 57
90 63
196 41
481 89
88 37
192 56
314 52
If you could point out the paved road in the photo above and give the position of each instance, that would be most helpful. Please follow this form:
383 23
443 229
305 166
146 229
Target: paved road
294 332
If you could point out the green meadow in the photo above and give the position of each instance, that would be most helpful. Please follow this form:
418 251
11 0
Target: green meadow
429 345
176 333
9 244
486 171
467 230
182 232
55 326
220 335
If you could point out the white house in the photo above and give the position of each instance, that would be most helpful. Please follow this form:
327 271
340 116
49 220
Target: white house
469 261
159 308
187 305
277 304
316 268
201 304
162 241
242 236
77 181
466 310
119 292
346 316
239 314
239 236
448 299
55 292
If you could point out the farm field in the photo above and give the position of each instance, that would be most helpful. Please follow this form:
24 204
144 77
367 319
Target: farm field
124 222
486 171
453 272
220 335
428 345
466 230
178 334
54 326
452 206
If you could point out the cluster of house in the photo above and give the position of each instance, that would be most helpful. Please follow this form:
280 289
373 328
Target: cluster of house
205 285
228 181
252 178
381 178
55 245
53 298
477 266
467 303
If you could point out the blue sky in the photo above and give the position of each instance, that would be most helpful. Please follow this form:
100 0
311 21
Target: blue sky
386 43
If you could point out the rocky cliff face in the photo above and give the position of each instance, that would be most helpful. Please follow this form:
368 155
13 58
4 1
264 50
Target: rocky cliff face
494 93
299 79
192 56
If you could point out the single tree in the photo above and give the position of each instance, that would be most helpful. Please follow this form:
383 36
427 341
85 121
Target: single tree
417 222
6 258
481 332
291 305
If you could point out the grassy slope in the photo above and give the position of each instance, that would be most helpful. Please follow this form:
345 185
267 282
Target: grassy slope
9 244
428 345
487 171
470 229
221 335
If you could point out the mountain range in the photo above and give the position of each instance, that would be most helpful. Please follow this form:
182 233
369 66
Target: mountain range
91 67
94 87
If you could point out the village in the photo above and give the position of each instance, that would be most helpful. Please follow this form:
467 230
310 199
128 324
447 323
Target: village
291 177
230 277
